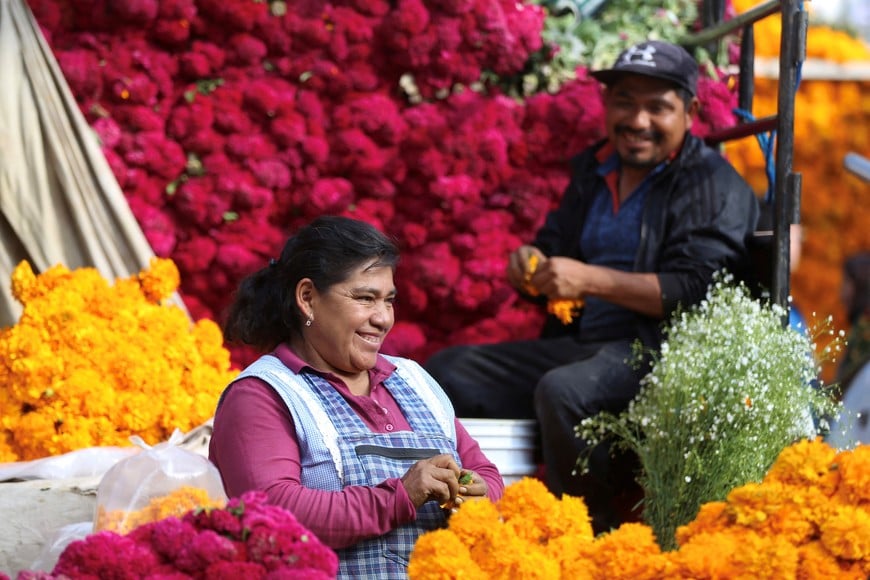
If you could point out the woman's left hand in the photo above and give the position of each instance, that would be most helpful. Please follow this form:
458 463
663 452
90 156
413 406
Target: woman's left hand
475 489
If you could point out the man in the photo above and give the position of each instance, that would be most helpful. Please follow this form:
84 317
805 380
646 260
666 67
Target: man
648 217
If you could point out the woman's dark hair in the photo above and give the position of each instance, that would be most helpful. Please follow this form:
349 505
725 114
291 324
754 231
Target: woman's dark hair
264 312
857 269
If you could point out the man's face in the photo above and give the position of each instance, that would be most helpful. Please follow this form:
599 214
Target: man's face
646 119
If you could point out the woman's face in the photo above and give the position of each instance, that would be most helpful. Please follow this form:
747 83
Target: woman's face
350 321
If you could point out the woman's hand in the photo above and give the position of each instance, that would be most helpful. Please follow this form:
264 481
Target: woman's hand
436 478
471 487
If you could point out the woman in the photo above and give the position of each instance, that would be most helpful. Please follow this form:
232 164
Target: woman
363 448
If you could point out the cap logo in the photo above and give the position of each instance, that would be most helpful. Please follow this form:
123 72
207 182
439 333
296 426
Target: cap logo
642 55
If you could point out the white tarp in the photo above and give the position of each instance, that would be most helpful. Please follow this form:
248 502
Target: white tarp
59 201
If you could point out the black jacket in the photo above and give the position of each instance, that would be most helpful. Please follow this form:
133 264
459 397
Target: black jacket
699 216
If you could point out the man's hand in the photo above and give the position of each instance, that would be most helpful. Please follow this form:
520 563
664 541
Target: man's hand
560 277
436 478
518 264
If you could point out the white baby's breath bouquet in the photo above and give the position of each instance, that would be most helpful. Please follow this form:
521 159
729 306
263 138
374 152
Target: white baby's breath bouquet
730 388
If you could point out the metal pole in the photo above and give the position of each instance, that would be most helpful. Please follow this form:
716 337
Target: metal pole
787 187
718 31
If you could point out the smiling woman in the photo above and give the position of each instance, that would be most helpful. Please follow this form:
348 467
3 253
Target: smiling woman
363 448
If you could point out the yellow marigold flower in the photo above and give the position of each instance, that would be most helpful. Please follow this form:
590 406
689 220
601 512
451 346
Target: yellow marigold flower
772 509
507 556
712 517
527 506
160 280
530 270
572 518
565 309
475 522
816 563
629 551
806 463
847 534
440 555
735 553
575 554
854 469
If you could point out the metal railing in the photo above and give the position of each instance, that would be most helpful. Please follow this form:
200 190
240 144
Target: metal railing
787 183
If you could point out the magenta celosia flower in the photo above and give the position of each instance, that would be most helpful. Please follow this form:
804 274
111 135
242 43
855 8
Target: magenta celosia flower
190 118
154 152
78 68
272 173
195 254
108 131
246 50
204 549
136 12
105 555
224 570
331 195
167 538
717 107
137 119
404 339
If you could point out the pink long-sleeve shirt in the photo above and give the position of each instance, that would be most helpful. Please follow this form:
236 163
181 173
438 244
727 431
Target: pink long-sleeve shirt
254 447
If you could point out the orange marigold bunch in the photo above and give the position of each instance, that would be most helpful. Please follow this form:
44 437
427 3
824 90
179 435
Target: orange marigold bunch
808 518
90 364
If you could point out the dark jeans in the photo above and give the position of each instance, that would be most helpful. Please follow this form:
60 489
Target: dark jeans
559 382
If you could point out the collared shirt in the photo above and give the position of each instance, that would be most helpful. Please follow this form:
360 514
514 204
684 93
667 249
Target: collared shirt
255 447
610 238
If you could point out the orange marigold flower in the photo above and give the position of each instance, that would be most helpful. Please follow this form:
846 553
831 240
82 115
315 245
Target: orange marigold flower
160 280
847 533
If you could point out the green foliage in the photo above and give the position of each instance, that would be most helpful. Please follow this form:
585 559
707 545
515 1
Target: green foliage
575 37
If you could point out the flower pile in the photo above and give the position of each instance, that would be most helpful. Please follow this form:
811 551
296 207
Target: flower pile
174 504
247 539
91 364
730 388
808 518
221 119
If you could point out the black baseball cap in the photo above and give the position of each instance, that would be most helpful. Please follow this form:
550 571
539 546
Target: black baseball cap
654 58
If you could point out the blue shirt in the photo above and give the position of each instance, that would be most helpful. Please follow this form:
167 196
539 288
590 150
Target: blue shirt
610 238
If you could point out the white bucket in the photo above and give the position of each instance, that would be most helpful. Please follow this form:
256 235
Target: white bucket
509 443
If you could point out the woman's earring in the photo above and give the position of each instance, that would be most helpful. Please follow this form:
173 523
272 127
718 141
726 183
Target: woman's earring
309 321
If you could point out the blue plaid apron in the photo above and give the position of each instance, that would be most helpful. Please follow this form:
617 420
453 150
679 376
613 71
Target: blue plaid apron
337 450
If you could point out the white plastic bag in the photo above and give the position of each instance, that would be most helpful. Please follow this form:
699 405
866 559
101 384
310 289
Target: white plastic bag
156 483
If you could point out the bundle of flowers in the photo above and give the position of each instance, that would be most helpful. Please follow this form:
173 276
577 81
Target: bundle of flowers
91 364
834 212
808 518
220 119
247 539
730 388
